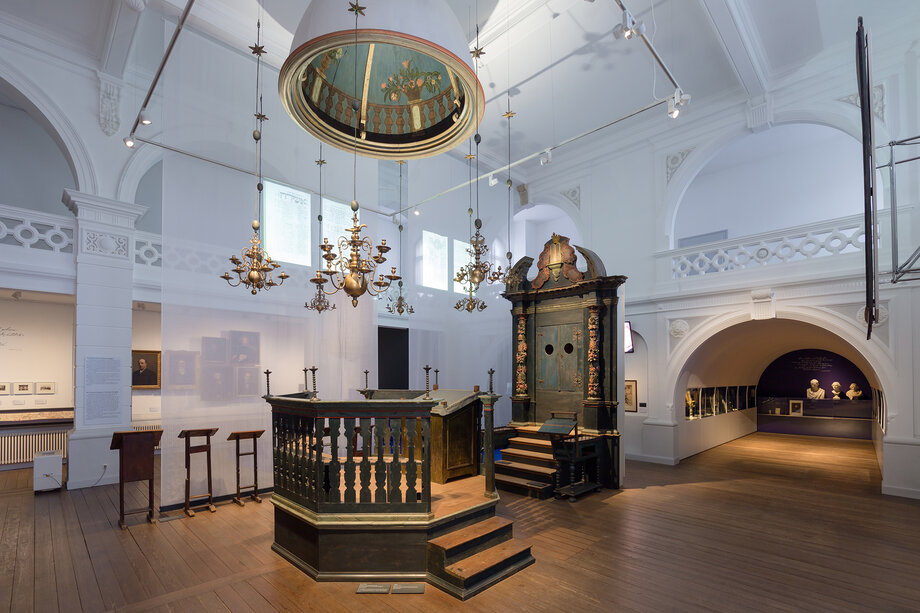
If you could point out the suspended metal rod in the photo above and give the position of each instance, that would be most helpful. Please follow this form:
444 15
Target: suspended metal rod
156 77
535 155
654 53
243 170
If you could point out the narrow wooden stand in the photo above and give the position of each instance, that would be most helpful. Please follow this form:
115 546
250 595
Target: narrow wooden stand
135 463
252 435
189 450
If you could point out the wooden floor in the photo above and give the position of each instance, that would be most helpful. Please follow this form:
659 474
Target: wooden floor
765 523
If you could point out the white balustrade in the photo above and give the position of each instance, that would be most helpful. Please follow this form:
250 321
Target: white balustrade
35 230
822 239
148 249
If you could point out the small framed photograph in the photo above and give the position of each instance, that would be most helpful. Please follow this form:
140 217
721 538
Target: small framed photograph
214 349
630 399
244 348
45 387
22 388
181 370
145 370
796 408
5 389
247 381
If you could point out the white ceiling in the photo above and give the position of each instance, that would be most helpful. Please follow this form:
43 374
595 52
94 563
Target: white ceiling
565 72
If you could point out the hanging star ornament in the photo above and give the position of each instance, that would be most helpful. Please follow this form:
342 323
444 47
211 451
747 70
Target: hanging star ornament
260 116
321 162
470 156
257 49
509 114
477 52
357 9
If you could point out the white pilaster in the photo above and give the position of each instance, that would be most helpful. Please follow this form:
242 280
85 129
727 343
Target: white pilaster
104 251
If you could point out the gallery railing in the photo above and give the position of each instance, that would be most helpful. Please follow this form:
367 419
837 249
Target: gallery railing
822 239
371 456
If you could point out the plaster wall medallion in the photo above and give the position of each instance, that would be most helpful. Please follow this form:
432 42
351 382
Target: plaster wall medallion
573 195
674 160
109 101
137 5
878 101
678 328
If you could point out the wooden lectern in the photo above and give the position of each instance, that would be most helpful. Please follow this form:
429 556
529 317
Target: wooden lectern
188 435
252 435
135 463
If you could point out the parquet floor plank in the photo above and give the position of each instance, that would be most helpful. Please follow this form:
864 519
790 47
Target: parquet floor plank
23 597
45 593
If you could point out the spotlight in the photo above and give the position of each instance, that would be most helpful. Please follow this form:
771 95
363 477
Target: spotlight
675 102
547 158
493 180
129 142
629 27
416 212
145 118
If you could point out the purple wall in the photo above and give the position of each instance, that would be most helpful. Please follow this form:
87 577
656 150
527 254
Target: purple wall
789 374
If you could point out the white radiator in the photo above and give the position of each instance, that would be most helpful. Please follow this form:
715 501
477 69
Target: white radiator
142 427
21 447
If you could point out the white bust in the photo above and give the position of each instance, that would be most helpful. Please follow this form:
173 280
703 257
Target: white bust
854 392
814 391
836 390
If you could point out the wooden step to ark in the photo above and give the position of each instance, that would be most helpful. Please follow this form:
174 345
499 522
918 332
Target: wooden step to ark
531 432
526 456
521 485
532 444
528 471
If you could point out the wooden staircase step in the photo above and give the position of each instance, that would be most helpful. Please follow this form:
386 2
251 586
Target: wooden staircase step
531 432
468 537
527 442
529 487
526 456
508 467
467 573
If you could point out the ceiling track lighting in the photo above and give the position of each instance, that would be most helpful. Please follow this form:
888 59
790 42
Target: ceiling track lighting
629 26
547 157
144 118
676 102
129 142
493 180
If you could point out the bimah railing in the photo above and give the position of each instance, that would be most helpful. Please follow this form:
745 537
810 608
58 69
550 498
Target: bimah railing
384 465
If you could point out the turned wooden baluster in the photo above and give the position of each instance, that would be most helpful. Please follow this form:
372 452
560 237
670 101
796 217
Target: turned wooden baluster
380 467
335 466
411 469
319 465
276 478
365 459
309 472
426 463
394 493
350 459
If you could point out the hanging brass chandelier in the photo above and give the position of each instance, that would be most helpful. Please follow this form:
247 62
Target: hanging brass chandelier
255 270
479 269
350 263
320 303
400 306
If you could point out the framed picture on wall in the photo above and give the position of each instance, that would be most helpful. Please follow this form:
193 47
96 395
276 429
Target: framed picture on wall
145 369
45 387
630 399
796 408
244 348
181 372
216 382
5 389
22 388
247 381
214 349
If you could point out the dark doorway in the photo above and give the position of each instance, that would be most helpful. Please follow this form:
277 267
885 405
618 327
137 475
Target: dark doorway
393 358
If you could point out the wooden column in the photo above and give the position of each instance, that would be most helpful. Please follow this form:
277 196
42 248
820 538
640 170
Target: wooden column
488 443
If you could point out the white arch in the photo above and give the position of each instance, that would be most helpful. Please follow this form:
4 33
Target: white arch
848 330
142 160
49 115
562 203
840 118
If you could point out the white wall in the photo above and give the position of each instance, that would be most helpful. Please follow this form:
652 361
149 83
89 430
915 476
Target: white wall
36 345
788 176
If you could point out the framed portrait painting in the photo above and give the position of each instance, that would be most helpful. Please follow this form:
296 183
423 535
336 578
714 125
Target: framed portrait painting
630 400
181 371
244 348
214 349
145 370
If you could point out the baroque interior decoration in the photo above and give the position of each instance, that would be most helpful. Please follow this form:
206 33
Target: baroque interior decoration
255 270
404 95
